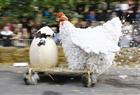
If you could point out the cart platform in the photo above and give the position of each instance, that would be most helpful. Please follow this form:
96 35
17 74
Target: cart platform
32 76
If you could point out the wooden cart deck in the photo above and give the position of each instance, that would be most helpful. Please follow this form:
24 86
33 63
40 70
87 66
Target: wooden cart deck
32 77
59 70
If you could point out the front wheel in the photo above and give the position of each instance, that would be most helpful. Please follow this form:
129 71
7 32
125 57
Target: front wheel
31 79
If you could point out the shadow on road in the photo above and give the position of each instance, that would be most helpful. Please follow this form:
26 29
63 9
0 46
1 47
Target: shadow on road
60 79
51 93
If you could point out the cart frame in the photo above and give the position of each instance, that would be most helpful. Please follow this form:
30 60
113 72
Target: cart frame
32 77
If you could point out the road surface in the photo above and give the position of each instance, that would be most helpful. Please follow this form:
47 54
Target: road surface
114 82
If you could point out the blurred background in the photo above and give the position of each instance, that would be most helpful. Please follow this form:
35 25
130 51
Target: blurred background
20 19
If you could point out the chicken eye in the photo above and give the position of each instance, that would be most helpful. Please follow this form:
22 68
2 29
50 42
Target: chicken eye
101 59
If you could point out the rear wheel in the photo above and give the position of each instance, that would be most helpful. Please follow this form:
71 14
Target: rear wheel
87 80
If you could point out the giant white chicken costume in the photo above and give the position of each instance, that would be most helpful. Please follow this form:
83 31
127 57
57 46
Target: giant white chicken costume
90 48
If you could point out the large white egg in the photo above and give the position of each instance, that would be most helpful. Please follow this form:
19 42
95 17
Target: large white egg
43 50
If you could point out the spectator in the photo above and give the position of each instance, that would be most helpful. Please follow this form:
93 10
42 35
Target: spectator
90 16
125 41
80 6
137 16
6 34
56 35
25 34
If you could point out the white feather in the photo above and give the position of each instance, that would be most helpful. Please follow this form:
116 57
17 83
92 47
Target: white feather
92 48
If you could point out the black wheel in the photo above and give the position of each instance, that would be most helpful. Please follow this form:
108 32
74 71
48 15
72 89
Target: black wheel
87 80
31 79
26 81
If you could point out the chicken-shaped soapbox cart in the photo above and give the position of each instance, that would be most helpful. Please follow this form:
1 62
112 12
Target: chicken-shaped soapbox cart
88 52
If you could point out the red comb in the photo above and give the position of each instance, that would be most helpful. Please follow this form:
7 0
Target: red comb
60 14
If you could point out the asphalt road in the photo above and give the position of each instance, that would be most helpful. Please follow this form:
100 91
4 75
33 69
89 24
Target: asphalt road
11 83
